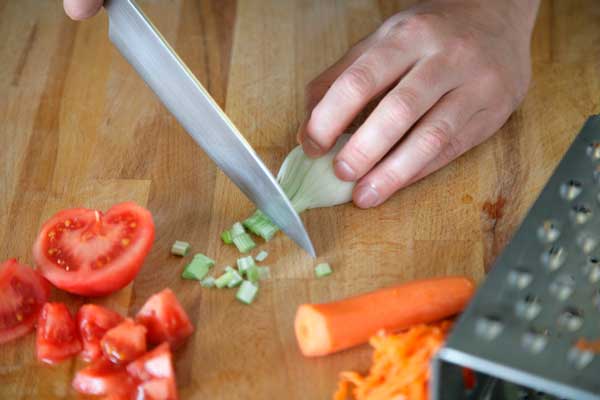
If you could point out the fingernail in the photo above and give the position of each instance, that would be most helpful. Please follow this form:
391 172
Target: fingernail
344 171
312 147
367 196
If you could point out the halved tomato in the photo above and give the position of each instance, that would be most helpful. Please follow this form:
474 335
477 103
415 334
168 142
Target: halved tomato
165 319
89 253
156 389
23 292
102 377
93 322
57 337
155 370
125 342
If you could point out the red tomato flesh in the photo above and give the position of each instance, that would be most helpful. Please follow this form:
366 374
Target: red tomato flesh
155 370
125 342
165 319
23 292
57 337
93 322
102 377
89 253
156 389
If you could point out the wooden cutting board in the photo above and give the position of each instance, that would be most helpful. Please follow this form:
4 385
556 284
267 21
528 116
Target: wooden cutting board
79 128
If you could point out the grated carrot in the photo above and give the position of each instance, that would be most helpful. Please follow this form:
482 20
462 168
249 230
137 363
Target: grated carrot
400 366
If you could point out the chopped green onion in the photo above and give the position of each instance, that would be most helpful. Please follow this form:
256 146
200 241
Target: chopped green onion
244 263
198 268
261 256
247 292
244 243
237 229
208 282
226 237
223 280
252 274
201 258
236 280
180 248
260 224
322 270
264 273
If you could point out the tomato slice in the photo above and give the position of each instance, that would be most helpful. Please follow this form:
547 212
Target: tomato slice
89 253
57 337
93 322
165 319
102 377
155 370
23 292
156 389
125 342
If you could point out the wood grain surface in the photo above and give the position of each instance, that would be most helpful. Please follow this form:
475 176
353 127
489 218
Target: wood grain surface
79 128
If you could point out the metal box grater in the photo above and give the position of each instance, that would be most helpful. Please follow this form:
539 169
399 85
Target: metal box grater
542 296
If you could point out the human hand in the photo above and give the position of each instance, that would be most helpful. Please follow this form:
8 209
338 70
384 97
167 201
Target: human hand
82 9
456 70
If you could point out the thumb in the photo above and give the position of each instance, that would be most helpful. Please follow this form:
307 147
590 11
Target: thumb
82 9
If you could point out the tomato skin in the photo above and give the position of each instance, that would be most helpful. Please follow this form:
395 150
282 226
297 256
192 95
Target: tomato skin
102 377
155 370
93 322
156 389
23 292
125 342
57 337
165 319
85 252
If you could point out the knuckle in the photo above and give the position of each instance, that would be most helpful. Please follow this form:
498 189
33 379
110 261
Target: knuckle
435 138
392 178
420 24
400 106
358 80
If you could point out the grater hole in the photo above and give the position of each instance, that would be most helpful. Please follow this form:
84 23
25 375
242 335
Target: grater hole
528 308
593 150
587 242
596 299
562 287
519 278
594 273
554 257
570 189
579 358
596 174
580 213
534 341
570 319
488 327
549 231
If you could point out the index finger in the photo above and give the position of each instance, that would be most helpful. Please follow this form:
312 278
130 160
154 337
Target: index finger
82 9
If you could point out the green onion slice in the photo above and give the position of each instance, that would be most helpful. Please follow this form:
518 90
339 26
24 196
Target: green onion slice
322 270
247 292
244 243
180 248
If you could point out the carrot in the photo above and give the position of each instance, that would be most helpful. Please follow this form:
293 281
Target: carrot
329 327
400 368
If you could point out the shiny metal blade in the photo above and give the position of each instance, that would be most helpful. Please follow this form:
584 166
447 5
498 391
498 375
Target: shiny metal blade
179 90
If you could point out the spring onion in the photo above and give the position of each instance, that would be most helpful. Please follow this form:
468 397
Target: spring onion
264 273
208 282
180 248
244 243
247 292
244 263
235 280
260 224
237 229
223 280
226 237
252 274
261 256
322 270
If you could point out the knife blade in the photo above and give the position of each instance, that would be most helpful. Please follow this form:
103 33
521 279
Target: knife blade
183 95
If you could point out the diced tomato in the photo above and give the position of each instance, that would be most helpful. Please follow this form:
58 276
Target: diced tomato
89 253
156 389
57 337
165 319
23 292
125 342
93 322
102 377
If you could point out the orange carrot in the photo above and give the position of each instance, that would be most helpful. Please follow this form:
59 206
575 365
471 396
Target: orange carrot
329 327
400 367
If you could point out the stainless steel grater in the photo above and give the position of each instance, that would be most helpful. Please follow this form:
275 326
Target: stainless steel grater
542 296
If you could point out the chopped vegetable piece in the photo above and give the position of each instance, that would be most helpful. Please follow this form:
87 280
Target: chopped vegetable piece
57 337
224 280
329 327
198 268
260 224
93 322
226 237
244 263
157 363
322 270
252 274
180 248
264 273
261 256
208 282
237 229
125 342
102 377
244 243
235 280
247 292
401 365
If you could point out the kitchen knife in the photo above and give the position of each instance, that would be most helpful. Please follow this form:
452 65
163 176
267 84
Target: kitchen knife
182 94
